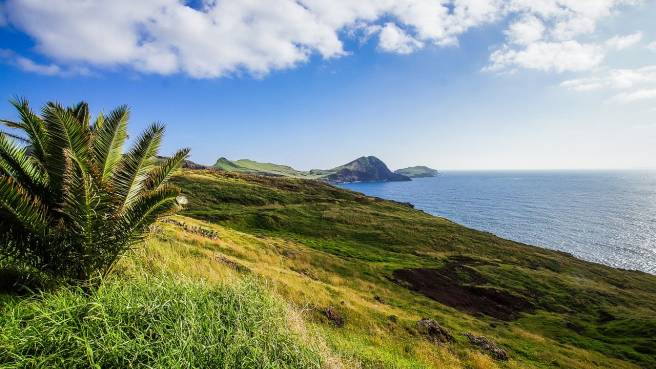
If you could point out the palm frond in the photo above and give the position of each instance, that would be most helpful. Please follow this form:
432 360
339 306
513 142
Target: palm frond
132 173
108 139
98 123
25 210
64 132
33 127
81 113
163 172
15 163
146 209
16 137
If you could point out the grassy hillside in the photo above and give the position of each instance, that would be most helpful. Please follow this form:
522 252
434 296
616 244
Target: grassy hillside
254 167
365 168
383 266
289 273
417 172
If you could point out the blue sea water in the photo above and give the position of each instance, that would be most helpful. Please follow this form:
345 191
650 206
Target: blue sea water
607 217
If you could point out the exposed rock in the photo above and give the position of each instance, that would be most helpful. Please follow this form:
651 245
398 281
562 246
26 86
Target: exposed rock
204 232
488 346
231 264
334 316
363 169
434 331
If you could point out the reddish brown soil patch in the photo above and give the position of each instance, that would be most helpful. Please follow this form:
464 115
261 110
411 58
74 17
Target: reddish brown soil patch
458 285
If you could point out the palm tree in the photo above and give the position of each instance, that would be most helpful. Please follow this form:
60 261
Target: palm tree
71 202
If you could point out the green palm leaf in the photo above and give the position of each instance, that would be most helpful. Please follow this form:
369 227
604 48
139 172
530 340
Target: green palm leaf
15 163
25 210
70 202
108 139
135 166
162 173
64 132
32 125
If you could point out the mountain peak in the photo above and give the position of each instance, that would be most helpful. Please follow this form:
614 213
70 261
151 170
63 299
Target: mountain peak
364 169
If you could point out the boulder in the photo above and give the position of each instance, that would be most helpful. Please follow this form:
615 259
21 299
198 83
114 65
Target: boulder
488 346
434 331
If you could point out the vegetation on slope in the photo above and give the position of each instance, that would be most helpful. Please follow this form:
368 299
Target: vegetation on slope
417 172
339 249
342 260
362 169
71 203
254 167
154 322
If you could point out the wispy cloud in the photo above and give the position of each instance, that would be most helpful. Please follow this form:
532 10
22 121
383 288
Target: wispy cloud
29 65
626 85
623 42
633 96
224 37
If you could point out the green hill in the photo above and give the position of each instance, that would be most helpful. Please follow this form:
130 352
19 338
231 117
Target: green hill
284 272
419 171
363 169
366 168
382 266
254 167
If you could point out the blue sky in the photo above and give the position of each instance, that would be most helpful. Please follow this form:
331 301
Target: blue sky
481 91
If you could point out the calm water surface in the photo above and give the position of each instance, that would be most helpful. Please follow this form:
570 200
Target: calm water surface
607 217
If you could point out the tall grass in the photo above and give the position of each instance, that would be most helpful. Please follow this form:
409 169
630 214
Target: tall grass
151 322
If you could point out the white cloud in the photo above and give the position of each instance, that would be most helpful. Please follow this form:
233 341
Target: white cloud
394 39
626 85
633 96
623 42
549 56
526 30
254 36
615 79
30 65
652 46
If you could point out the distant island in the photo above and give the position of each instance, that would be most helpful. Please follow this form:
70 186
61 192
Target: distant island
419 171
362 169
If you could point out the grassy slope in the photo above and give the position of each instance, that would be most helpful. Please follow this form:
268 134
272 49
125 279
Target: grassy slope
254 167
417 172
316 246
327 247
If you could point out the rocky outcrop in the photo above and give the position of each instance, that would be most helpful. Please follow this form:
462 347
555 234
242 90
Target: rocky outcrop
363 169
488 346
432 330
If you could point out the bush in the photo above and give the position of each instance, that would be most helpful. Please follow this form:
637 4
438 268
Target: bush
70 201
152 322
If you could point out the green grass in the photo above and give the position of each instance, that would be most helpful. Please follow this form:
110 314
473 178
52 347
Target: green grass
287 249
349 236
151 322
255 167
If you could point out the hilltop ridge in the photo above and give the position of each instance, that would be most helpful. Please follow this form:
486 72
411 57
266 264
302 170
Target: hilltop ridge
362 169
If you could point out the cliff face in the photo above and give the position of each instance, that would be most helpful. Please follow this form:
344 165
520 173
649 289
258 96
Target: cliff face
364 169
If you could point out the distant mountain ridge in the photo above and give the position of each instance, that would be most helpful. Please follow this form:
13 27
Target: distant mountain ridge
362 169
419 171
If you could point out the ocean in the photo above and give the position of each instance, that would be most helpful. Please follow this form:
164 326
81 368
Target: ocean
607 217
